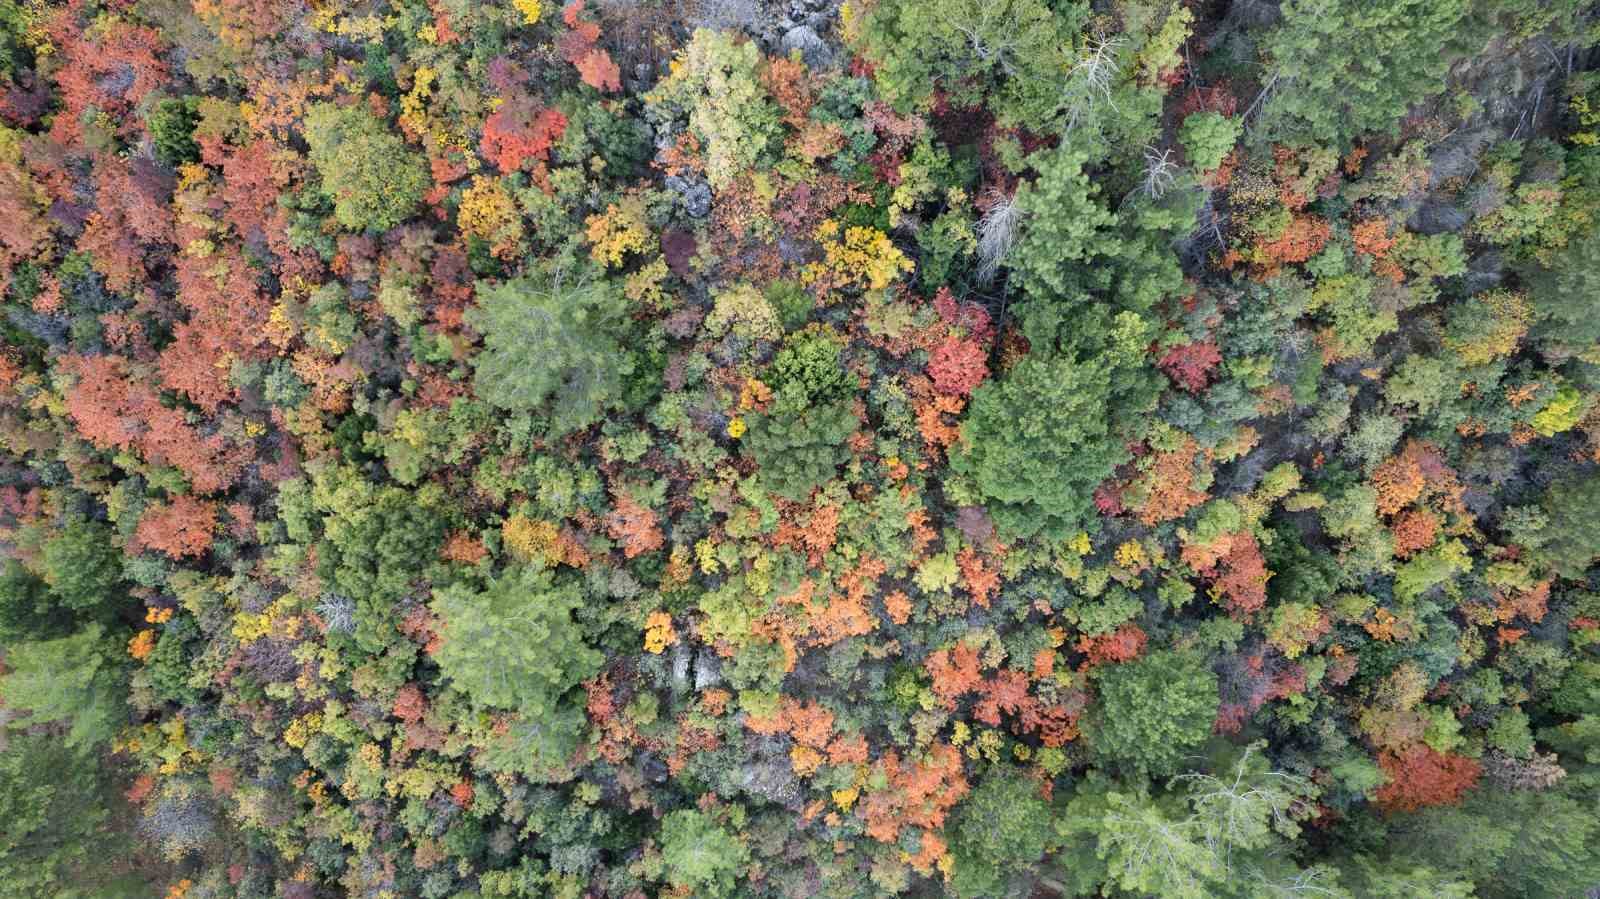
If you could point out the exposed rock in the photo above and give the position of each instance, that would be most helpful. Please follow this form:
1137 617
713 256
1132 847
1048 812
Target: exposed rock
813 49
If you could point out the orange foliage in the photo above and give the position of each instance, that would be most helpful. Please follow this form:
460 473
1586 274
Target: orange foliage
789 82
816 535
918 794
849 749
898 606
980 581
1167 484
1006 692
957 366
635 525
1371 237
1399 483
181 528
930 420
464 548
577 46
1414 529
1530 604
1242 586
1121 645
846 614
1302 238
142 644
954 672
599 72
409 705
1420 777
520 132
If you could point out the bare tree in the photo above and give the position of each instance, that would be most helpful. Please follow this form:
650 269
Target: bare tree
1160 173
1089 83
997 231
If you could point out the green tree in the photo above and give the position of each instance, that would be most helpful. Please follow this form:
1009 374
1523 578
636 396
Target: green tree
1002 827
72 681
54 833
1073 250
83 567
1005 54
700 855
1117 835
1207 137
171 124
1036 443
552 342
28 610
715 86
1571 535
1513 844
1338 68
799 440
1038 440
1562 295
1153 713
514 645
799 448
375 181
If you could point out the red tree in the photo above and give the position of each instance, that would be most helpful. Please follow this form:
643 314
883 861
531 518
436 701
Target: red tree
180 528
1420 777
957 366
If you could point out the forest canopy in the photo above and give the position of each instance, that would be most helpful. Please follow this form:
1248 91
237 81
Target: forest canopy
479 449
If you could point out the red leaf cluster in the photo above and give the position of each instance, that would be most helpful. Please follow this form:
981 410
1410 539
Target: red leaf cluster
1421 777
957 366
521 132
578 47
1121 645
181 528
1189 365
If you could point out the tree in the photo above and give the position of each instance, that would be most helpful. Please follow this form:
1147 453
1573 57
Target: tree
1572 530
28 608
1420 776
1036 443
1153 712
520 131
1074 251
71 681
375 181
1003 53
171 123
514 645
715 85
1337 68
1562 295
551 341
1208 137
1512 844
55 839
1038 440
799 440
181 528
700 855
82 566
1000 829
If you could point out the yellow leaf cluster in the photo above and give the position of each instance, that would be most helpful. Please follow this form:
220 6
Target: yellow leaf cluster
658 632
621 229
530 10
488 212
856 256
